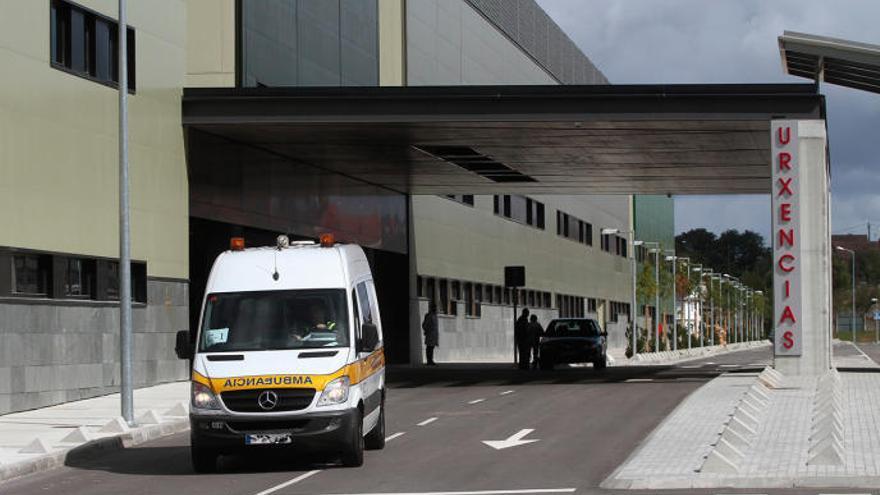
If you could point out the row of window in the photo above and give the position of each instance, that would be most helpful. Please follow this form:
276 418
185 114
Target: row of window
521 209
615 244
60 276
448 293
467 199
574 228
618 308
86 43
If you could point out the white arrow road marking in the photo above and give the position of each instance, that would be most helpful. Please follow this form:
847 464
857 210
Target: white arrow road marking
427 422
396 435
288 483
514 440
476 401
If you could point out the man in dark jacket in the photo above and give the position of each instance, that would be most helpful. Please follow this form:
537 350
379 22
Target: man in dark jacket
432 334
533 337
520 337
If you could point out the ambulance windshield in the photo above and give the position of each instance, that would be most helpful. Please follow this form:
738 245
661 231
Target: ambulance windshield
274 320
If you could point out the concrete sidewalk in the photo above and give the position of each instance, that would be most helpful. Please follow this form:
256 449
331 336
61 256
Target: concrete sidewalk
41 439
765 431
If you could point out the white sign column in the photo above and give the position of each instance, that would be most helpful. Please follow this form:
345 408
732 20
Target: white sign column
801 247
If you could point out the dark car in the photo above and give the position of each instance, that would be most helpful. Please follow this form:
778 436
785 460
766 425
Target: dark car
573 340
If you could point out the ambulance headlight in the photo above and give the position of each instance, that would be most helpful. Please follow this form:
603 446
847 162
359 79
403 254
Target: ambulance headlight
336 392
203 398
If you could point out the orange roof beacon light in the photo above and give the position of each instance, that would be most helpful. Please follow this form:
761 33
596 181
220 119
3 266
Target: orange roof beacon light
328 240
236 244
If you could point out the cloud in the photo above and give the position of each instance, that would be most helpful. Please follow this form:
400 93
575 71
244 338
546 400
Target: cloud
695 41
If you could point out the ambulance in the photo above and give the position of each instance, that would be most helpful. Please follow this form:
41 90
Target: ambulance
288 353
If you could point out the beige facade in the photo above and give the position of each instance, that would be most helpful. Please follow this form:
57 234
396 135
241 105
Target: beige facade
58 141
210 44
392 42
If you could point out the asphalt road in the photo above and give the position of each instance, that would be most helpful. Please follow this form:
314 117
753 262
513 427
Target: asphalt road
586 424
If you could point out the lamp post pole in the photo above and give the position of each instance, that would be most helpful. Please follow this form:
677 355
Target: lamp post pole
853 308
698 313
657 298
125 368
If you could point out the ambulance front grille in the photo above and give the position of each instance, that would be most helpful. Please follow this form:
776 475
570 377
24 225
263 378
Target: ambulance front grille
247 401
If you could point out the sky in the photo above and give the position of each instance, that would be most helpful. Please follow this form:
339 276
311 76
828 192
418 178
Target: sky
735 41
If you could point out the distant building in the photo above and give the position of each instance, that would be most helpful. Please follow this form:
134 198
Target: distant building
855 242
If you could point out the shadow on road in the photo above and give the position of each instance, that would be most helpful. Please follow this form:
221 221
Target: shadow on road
175 461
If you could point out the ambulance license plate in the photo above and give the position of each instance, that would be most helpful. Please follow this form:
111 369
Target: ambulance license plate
267 439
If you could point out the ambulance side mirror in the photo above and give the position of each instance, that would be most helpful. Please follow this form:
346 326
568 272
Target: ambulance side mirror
183 347
369 337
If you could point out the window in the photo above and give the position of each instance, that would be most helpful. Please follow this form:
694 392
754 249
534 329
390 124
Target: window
573 228
520 209
31 274
86 43
443 307
79 278
429 290
498 297
456 290
420 286
467 199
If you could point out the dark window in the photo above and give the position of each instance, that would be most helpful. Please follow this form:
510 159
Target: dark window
86 44
79 278
468 199
420 286
498 297
31 274
443 307
539 212
495 204
506 206
429 290
456 290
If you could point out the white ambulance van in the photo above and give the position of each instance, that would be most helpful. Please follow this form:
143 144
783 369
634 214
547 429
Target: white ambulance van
288 353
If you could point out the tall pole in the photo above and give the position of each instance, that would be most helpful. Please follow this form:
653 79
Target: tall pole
729 332
126 392
632 309
674 306
712 308
853 320
657 298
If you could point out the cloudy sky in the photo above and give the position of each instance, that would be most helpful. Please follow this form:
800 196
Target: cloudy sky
734 41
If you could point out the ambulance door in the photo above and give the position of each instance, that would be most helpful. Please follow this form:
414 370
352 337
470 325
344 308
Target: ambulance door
370 362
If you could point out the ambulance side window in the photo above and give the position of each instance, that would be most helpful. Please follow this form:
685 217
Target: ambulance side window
365 303
356 313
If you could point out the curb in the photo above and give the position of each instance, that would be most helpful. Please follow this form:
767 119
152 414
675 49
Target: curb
92 448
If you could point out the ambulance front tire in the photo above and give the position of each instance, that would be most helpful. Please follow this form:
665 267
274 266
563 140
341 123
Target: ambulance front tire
204 459
353 452
375 439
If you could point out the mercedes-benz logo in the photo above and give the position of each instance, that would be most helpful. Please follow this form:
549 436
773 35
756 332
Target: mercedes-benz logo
267 400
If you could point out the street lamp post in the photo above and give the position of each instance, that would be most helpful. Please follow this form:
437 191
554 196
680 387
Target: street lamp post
876 321
674 259
759 317
853 317
698 316
712 277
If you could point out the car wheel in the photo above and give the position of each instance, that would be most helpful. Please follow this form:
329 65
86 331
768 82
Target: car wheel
204 460
353 453
601 363
375 439
546 364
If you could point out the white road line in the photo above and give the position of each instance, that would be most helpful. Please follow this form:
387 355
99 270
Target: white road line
729 365
288 483
476 401
638 380
864 356
692 366
506 392
396 435
427 422
480 492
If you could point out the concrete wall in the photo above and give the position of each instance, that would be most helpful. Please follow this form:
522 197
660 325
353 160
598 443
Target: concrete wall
392 43
54 352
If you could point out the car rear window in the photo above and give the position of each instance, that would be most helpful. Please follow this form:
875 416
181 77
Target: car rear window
572 328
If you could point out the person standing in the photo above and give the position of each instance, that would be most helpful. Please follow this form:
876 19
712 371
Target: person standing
534 333
431 331
520 336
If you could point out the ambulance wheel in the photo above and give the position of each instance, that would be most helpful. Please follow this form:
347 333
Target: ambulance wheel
375 439
353 453
204 460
